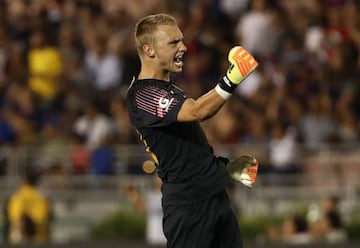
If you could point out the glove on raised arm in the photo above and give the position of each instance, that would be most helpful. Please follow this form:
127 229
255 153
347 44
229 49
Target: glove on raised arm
241 64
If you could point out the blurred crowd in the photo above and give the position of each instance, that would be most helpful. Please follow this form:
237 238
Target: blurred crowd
321 222
65 66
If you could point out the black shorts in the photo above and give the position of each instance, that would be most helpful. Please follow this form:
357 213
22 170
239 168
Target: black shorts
207 224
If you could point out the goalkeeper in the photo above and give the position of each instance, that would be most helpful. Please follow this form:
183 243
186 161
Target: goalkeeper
196 208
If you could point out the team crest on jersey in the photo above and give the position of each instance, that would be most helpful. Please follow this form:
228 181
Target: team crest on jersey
164 103
163 106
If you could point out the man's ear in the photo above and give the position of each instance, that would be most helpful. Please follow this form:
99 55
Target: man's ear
149 51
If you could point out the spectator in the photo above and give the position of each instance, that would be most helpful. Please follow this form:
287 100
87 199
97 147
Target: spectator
80 155
29 213
7 132
295 231
327 225
52 146
45 67
283 155
102 160
151 205
347 128
103 68
94 125
317 126
233 7
333 222
154 228
254 30
255 129
22 126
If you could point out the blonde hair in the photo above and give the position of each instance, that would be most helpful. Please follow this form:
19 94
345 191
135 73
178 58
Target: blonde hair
145 28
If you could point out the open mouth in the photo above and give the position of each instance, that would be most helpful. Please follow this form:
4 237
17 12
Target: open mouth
179 60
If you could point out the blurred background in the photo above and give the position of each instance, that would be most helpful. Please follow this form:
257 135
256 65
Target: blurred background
71 164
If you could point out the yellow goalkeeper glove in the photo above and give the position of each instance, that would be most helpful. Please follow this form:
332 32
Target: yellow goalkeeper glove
241 64
244 170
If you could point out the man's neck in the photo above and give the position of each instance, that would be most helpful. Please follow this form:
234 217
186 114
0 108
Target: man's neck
160 75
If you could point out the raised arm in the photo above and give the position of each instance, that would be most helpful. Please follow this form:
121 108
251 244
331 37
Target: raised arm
241 64
202 108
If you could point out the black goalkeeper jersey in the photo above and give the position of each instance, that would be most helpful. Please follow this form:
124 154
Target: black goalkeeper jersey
185 161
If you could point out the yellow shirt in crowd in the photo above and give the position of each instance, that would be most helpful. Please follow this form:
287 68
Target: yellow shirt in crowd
45 66
28 200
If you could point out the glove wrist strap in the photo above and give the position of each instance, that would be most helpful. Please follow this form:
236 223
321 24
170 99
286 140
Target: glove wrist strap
225 87
224 94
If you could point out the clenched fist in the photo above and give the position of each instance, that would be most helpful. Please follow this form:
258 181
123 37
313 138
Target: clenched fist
241 65
244 170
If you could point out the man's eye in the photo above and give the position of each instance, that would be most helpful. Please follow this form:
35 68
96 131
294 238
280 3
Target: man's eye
174 42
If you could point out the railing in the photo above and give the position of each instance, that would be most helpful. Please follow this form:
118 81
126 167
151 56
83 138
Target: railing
329 168
86 198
